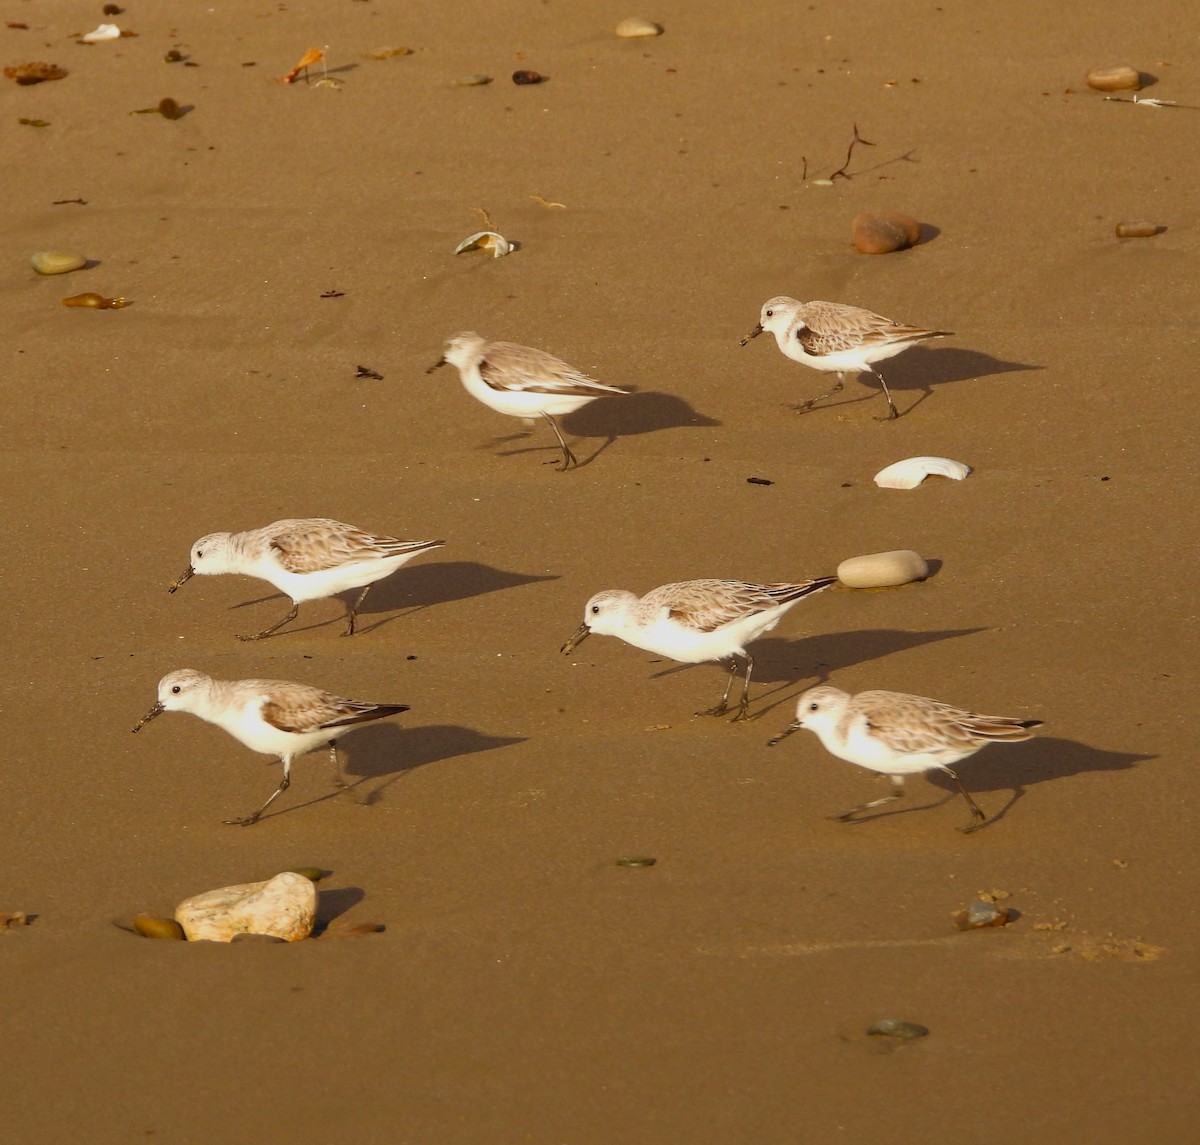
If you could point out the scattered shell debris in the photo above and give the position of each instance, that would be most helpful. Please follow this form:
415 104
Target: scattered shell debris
883 570
635 27
636 861
882 232
27 74
102 33
486 240
57 261
95 301
1138 230
910 472
1120 77
895 1028
477 80
389 53
980 913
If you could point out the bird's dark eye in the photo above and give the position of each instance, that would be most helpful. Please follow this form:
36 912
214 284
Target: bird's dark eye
595 610
176 690
199 553
770 313
814 707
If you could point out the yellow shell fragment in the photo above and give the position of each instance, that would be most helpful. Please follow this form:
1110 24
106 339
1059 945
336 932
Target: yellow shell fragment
910 472
634 27
486 240
56 261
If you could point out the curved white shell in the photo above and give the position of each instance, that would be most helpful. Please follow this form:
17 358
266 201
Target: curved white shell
486 240
104 32
910 472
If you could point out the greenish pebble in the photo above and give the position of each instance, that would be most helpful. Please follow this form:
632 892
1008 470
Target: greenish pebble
56 261
149 927
894 1028
636 861
316 874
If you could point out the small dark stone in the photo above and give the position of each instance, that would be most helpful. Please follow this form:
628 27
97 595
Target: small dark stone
759 481
525 77
636 861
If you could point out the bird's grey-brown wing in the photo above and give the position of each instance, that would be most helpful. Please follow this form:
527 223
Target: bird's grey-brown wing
831 328
317 544
301 709
507 366
706 605
913 724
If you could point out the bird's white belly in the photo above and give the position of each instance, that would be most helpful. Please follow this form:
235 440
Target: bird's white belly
522 403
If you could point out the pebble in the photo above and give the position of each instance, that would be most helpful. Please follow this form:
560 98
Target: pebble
634 27
881 232
895 1028
636 861
882 570
284 906
56 261
1119 78
526 76
1138 230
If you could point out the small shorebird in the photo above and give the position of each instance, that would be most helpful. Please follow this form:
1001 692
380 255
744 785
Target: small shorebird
275 717
695 621
308 559
837 339
898 735
522 382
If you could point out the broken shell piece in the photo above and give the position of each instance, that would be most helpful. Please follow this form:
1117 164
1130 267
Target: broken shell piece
634 27
477 80
95 301
102 33
486 240
882 570
895 1028
1138 230
980 914
910 472
150 927
284 906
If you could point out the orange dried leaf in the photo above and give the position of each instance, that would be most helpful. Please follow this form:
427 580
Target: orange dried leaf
312 56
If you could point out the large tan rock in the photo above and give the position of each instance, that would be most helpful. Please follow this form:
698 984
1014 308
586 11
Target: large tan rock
284 906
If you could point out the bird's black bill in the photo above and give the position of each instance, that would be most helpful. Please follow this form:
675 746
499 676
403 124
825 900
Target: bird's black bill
436 365
579 637
157 710
783 734
187 575
753 334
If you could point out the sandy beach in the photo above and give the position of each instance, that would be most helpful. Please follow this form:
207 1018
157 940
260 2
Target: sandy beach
277 240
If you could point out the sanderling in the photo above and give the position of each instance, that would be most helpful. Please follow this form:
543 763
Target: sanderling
275 717
308 559
521 382
836 338
696 621
898 735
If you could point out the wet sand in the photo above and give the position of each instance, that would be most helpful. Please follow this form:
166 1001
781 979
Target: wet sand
527 988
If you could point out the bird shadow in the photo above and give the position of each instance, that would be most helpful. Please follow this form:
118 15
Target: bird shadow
613 418
922 368
386 753
441 582
438 582
793 666
1014 767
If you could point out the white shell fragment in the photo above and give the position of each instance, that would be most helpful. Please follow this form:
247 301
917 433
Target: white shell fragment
635 27
486 240
910 472
882 570
102 33
284 906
